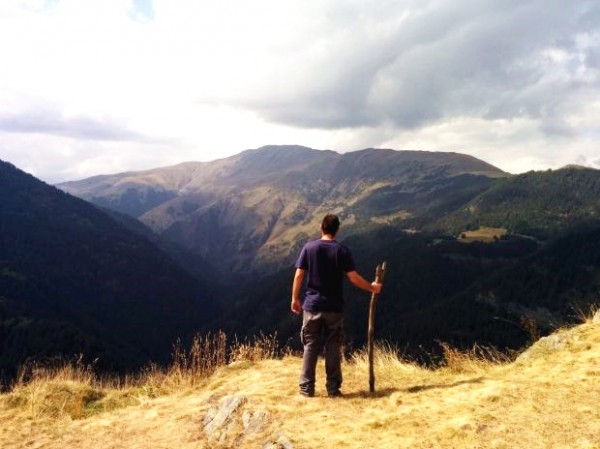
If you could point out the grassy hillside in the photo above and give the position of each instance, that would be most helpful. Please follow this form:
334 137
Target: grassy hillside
547 398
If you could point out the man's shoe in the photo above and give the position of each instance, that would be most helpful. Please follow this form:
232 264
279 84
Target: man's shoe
335 394
307 394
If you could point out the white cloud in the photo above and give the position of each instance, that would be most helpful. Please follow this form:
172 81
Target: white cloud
94 86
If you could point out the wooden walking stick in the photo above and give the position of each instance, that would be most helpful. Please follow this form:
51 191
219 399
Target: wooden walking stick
379 275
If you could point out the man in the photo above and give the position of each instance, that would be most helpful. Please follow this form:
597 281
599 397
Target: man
325 262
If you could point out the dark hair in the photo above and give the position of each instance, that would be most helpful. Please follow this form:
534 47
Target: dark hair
330 224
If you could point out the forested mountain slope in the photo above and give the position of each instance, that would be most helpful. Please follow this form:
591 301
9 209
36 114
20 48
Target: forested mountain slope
538 204
503 293
73 280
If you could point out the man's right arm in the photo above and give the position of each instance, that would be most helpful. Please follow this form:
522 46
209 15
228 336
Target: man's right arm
296 288
360 282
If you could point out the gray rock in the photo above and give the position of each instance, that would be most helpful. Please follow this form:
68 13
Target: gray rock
253 421
231 421
552 342
216 419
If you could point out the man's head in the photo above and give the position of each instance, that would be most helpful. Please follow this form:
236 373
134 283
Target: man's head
330 224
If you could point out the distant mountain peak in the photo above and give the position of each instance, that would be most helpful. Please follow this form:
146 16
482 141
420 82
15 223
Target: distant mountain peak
282 153
282 148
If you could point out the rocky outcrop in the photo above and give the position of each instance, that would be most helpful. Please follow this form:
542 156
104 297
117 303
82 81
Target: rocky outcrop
218 419
232 421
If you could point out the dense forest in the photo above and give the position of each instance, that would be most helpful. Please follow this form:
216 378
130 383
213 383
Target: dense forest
538 204
75 281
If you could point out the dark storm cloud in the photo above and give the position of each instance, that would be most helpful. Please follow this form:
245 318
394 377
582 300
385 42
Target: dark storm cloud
465 58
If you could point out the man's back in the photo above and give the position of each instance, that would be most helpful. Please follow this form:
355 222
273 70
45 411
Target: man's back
326 262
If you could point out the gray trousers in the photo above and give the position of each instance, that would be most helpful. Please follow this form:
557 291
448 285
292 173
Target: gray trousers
322 330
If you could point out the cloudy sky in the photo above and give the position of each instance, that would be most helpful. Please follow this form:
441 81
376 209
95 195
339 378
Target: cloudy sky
102 86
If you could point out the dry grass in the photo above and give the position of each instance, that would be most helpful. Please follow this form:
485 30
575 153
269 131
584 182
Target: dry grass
475 360
55 389
478 399
261 347
70 388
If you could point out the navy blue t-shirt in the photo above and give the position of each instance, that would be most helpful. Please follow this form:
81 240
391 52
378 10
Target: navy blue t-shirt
325 262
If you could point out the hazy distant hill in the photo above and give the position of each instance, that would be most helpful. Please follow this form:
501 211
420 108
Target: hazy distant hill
74 280
253 210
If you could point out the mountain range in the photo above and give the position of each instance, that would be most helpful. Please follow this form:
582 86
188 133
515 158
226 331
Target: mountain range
251 212
475 255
